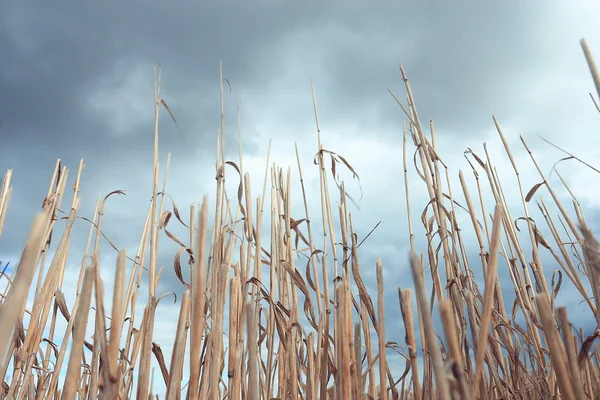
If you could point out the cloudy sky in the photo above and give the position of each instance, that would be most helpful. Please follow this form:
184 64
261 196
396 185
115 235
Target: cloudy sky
76 81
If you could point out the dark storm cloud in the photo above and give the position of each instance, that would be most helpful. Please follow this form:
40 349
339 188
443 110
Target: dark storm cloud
54 60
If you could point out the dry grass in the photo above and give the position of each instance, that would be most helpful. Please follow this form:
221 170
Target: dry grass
310 335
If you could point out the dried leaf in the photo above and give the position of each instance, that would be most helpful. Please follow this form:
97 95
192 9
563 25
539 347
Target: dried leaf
539 238
514 309
240 193
476 157
164 295
532 191
164 104
175 209
62 305
164 221
586 346
362 289
421 175
336 158
294 223
53 345
556 289
156 350
309 277
119 192
177 264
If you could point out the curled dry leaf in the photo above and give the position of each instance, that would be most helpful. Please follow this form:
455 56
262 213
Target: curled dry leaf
240 195
119 192
476 157
157 351
362 289
556 286
515 308
539 239
522 219
294 225
164 104
175 209
177 264
336 158
280 323
536 232
62 304
586 346
299 282
52 345
263 289
164 221
165 294
532 191
309 277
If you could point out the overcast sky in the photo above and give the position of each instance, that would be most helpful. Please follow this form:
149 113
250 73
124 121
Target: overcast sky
76 82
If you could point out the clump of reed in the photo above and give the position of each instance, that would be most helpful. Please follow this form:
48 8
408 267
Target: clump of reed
318 333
